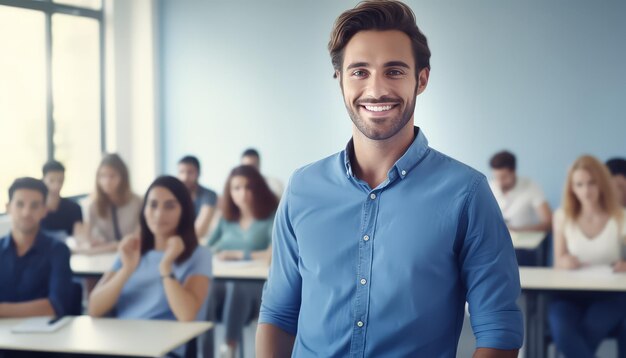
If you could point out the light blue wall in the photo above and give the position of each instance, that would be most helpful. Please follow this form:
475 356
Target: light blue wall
546 79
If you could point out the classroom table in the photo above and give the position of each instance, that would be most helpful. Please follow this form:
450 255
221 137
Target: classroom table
96 265
105 336
252 270
92 265
531 241
537 282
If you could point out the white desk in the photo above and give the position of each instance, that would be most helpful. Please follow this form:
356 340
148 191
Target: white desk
240 270
549 279
86 335
536 282
96 265
92 265
530 240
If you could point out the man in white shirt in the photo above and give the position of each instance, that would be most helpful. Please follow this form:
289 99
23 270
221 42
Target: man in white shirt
522 202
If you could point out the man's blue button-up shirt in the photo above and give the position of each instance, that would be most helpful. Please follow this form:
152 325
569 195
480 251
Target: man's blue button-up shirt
386 272
43 272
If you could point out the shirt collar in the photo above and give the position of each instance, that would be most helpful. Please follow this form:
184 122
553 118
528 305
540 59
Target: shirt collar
8 242
403 166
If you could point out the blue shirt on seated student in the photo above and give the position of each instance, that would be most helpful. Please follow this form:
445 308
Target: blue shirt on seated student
35 273
143 295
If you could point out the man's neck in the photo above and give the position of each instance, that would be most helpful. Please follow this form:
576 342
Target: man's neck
23 241
52 202
373 158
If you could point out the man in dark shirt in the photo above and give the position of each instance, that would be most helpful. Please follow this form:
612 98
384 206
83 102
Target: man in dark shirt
64 216
35 274
204 199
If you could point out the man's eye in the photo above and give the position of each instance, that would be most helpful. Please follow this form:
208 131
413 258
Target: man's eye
395 73
358 73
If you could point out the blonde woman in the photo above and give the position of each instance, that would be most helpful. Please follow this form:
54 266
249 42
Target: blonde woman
588 231
113 209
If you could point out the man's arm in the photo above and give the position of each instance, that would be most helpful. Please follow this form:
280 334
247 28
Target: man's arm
273 342
280 306
203 221
38 307
490 274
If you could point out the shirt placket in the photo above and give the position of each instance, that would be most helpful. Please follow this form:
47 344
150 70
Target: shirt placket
364 268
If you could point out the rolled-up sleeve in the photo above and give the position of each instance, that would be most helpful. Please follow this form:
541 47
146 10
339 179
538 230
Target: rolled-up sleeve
280 305
490 272
60 284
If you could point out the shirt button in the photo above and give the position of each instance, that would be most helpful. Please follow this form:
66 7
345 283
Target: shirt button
363 281
373 196
359 323
403 172
366 238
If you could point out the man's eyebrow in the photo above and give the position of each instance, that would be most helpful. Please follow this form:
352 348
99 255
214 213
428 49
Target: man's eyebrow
357 64
397 64
388 64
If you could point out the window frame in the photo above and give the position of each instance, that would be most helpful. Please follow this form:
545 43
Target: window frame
50 8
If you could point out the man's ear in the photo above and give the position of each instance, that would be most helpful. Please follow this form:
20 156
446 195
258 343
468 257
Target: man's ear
338 76
422 80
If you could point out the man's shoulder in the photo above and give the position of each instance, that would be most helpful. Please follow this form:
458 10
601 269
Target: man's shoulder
528 186
52 244
443 164
205 192
70 205
331 165
4 241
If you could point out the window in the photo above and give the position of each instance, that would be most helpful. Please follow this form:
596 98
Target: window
51 93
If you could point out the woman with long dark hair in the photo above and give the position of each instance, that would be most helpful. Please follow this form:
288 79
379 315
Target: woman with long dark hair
161 273
243 233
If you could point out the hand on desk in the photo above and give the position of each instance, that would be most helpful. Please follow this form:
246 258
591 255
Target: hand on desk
569 262
619 266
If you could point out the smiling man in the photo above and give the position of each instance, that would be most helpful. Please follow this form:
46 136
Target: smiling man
377 248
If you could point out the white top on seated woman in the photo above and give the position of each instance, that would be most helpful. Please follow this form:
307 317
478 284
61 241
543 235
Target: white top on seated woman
161 273
590 227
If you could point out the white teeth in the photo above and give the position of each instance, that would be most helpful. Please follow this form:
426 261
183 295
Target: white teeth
378 108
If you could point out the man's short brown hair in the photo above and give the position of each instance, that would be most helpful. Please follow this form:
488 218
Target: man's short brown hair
380 15
503 160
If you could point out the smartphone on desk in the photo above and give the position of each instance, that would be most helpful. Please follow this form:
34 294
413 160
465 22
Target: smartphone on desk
40 324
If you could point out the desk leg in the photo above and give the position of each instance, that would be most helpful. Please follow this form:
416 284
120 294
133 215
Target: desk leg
534 320
542 348
529 313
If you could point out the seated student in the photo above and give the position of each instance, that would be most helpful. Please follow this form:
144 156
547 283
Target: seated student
204 199
35 273
160 273
252 157
522 202
64 215
617 166
589 229
243 233
112 209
